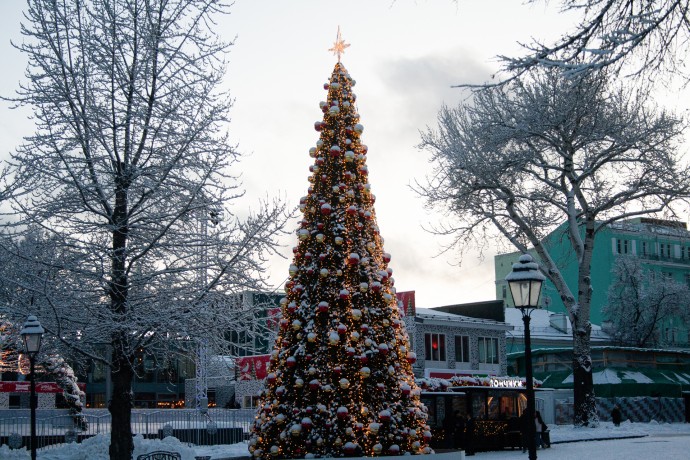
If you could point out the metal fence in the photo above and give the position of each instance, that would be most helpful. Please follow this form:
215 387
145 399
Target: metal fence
218 426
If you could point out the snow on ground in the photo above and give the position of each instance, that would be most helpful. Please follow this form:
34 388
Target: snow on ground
651 440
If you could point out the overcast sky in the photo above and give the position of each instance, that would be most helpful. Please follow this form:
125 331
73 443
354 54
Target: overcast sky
404 55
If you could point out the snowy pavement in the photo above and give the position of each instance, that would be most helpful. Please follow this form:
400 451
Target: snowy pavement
634 440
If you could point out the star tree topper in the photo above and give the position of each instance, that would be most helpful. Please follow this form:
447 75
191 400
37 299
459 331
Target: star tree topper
339 45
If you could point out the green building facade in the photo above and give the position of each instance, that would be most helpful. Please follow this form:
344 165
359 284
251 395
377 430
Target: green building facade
663 247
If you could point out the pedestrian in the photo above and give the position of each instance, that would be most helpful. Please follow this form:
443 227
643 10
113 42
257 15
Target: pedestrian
459 430
541 431
616 415
469 435
449 423
524 430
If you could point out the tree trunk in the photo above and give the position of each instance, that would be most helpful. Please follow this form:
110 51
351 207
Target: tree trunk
121 370
583 384
120 407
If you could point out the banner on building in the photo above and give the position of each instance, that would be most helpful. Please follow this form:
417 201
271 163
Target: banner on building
253 367
406 303
41 387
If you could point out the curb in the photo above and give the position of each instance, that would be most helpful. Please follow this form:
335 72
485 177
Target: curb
601 439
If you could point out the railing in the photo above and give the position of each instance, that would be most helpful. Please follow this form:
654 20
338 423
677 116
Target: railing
219 426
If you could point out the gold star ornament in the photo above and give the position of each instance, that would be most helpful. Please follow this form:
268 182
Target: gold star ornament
339 45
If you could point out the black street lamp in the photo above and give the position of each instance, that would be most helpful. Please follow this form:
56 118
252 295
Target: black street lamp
525 283
32 333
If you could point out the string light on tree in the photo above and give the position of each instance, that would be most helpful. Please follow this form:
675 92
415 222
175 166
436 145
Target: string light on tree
340 381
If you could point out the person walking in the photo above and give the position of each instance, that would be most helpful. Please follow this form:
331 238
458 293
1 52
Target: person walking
616 415
541 431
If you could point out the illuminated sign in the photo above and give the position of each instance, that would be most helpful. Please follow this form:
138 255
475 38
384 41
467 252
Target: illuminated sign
506 383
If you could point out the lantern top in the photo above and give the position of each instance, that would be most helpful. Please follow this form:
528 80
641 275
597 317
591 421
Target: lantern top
32 326
525 270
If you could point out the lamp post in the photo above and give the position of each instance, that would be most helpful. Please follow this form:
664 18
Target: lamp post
525 281
32 333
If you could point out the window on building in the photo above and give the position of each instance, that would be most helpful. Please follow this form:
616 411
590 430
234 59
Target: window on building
435 347
504 290
685 252
15 402
622 246
488 350
462 349
664 249
645 248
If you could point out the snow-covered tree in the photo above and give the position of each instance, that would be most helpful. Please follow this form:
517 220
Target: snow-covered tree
643 36
128 176
640 301
521 159
340 380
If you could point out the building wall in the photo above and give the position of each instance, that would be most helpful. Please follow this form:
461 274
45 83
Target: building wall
417 336
667 250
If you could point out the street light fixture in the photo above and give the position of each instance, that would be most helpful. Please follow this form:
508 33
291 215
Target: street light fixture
32 333
525 283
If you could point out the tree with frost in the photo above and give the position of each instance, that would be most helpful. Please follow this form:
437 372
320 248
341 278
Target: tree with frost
520 160
644 36
641 301
128 177
340 377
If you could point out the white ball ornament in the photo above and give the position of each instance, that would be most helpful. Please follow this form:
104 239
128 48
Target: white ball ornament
323 272
344 383
365 372
320 237
296 430
377 448
359 129
333 338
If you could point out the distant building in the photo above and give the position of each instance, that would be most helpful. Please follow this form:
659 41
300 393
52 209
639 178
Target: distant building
446 345
663 246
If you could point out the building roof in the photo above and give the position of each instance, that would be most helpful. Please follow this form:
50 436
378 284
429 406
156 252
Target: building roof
547 325
427 315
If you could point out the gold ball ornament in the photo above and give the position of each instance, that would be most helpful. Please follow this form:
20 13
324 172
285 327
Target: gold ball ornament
275 450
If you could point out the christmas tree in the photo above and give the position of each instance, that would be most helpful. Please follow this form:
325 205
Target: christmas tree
340 381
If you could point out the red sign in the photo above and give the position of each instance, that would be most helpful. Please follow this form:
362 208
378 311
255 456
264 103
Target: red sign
253 367
406 298
41 387
274 315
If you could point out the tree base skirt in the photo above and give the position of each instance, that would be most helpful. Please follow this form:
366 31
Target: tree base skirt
453 455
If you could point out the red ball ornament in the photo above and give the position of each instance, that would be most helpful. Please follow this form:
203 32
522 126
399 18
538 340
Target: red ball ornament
411 357
326 86
306 423
350 351
314 384
363 359
283 323
351 210
323 307
318 126
292 306
353 259
319 161
342 412
308 255
325 209
271 377
342 329
335 151
349 448
394 449
384 415
344 294
337 370
405 389
383 349
364 328
291 361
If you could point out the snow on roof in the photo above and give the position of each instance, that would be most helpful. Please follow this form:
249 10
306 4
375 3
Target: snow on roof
427 313
541 327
